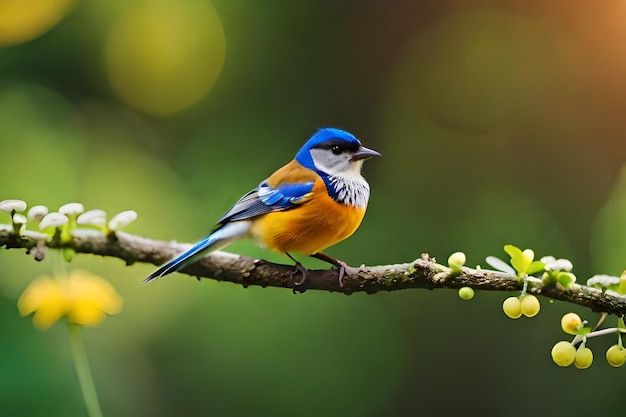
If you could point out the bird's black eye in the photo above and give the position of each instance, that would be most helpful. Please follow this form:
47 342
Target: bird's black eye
336 149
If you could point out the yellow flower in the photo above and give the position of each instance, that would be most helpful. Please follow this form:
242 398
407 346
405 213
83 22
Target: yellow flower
83 298
45 298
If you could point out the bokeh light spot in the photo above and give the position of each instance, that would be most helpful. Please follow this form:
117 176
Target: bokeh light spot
163 56
24 20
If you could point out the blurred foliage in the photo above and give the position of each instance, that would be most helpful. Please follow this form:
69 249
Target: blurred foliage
499 122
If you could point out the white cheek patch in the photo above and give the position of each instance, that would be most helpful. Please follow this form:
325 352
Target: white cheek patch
320 159
326 161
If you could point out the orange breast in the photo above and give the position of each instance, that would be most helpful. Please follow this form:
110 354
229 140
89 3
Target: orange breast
310 228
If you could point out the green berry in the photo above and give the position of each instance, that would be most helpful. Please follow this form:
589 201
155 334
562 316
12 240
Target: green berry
456 261
563 353
530 305
512 307
549 278
570 323
616 356
68 254
583 358
466 293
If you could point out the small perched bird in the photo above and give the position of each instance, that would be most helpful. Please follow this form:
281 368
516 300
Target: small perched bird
308 205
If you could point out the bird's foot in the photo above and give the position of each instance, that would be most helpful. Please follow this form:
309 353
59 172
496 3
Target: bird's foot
298 284
304 272
345 269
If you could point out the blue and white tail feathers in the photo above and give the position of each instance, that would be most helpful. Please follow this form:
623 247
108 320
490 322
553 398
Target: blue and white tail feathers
220 238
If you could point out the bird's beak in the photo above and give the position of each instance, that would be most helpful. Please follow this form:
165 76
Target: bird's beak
364 153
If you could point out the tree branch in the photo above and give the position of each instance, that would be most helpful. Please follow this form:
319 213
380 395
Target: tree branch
223 266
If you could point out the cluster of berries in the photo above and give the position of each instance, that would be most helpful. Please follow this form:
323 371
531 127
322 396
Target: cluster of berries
566 353
526 304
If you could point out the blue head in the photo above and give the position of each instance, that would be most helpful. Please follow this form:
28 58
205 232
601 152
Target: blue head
332 152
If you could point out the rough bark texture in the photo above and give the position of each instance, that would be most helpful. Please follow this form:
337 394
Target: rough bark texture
420 273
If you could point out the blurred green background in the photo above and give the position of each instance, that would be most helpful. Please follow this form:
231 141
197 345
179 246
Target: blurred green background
500 122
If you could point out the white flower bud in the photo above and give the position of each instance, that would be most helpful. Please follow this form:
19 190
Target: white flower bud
559 265
53 220
71 209
94 217
10 205
36 213
603 280
19 219
122 219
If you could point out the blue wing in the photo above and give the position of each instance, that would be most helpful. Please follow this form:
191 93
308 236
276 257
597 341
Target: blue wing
232 226
265 199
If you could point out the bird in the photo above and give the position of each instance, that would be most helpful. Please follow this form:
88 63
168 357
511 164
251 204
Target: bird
313 202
